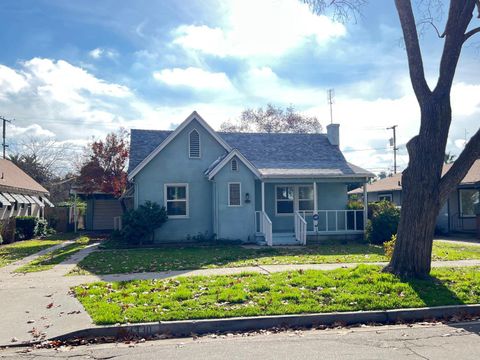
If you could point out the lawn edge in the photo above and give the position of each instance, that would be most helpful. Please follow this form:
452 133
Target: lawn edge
186 328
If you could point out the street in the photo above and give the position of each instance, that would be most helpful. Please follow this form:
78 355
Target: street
420 341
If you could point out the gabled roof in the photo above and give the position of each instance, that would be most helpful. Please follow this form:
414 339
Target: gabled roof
11 176
193 116
394 183
273 154
221 162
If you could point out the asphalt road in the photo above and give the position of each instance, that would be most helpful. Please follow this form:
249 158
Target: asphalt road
421 341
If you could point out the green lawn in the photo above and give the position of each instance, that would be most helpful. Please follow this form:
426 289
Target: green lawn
18 250
200 257
200 297
53 258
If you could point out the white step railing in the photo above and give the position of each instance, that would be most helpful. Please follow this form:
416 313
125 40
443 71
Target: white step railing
340 221
300 228
263 224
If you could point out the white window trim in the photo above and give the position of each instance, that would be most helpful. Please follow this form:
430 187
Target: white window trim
228 191
199 145
231 164
296 199
187 200
461 215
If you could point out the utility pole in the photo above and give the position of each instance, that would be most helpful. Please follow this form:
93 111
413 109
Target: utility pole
330 96
4 145
393 142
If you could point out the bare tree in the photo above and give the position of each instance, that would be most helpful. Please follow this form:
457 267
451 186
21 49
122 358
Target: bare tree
273 119
424 188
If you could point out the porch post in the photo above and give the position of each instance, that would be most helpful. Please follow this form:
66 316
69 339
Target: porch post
365 207
315 206
263 196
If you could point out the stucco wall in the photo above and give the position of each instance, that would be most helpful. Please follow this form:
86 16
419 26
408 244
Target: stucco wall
236 223
173 165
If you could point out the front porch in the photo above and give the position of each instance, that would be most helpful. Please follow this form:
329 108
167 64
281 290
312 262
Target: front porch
294 211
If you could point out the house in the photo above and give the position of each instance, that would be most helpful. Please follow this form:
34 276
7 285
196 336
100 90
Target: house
20 195
275 187
457 214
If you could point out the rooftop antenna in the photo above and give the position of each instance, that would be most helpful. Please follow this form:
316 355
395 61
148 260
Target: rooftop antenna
330 99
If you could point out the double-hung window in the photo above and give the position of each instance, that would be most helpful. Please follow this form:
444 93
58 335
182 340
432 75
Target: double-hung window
385 197
234 194
291 198
176 200
468 199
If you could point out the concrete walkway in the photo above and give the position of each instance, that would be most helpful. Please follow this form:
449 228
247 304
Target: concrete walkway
39 305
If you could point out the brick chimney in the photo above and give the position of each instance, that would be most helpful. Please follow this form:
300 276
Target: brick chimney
333 134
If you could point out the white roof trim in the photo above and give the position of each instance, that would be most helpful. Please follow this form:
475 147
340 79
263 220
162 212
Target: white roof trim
227 159
173 135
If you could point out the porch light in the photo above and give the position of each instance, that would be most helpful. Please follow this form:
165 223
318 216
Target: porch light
247 198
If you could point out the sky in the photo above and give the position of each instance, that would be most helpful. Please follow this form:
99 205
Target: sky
73 70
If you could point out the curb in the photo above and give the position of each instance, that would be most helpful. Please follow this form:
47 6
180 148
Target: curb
185 328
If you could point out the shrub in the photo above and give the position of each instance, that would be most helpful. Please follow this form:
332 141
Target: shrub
383 221
41 228
389 245
139 225
25 226
354 205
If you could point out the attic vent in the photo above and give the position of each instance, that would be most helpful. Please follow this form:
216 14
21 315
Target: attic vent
194 144
234 165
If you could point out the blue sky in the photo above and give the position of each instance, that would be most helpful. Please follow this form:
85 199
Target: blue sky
71 70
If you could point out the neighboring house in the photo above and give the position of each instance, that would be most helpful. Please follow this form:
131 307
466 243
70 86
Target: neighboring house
246 186
20 195
458 214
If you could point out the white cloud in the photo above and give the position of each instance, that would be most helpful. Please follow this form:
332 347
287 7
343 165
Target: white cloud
259 28
11 82
99 53
195 78
34 131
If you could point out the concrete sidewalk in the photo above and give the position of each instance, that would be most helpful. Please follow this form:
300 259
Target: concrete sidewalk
38 305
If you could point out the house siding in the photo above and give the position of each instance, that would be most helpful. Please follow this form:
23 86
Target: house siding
173 165
235 222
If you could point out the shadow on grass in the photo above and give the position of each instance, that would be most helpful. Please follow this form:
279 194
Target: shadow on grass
434 292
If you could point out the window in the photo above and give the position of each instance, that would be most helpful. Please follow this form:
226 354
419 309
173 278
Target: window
234 194
468 198
194 144
385 197
284 197
176 200
305 198
234 165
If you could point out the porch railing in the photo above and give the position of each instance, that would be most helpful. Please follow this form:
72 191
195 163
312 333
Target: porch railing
300 228
263 225
335 220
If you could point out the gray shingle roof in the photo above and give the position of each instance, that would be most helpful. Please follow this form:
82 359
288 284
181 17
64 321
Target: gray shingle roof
273 154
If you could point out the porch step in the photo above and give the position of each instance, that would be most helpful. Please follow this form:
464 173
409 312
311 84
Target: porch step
284 239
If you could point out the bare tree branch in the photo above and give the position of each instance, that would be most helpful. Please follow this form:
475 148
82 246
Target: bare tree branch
470 33
341 10
459 17
414 55
460 167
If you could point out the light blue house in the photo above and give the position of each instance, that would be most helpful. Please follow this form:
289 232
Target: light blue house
277 188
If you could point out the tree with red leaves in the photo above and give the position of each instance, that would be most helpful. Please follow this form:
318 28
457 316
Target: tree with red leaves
104 166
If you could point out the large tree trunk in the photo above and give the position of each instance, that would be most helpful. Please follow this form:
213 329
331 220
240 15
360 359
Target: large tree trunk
421 200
